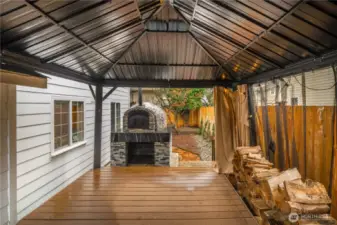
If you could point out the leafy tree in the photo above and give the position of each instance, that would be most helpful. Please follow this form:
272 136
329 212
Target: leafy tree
179 100
208 99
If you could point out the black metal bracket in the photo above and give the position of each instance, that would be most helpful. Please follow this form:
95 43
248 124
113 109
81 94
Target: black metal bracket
92 91
109 93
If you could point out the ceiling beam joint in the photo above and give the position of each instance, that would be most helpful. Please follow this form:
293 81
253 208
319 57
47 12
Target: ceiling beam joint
266 31
109 93
228 71
134 42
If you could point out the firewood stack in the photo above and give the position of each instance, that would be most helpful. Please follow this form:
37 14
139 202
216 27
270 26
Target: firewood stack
250 170
266 188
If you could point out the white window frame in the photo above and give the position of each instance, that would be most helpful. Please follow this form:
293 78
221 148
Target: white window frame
120 116
71 145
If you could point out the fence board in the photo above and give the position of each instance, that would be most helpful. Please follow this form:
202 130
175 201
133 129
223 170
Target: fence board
319 141
195 117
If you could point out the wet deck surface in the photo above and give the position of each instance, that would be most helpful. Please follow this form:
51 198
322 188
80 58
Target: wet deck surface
147 196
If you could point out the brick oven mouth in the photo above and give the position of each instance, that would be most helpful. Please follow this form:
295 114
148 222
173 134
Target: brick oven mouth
138 120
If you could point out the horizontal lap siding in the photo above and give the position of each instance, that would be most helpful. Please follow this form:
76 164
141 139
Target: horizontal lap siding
319 90
40 176
122 96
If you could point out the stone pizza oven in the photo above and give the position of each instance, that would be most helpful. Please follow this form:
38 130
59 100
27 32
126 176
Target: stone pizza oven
145 139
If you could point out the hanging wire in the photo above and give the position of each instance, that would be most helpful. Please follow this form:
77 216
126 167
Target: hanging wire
315 89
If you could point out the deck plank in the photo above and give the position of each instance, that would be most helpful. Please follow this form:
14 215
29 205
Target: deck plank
145 195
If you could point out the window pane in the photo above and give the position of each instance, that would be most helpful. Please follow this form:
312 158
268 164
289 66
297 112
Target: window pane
57 130
65 118
61 124
64 130
65 140
57 143
77 121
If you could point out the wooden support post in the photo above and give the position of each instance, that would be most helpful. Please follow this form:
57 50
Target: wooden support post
98 126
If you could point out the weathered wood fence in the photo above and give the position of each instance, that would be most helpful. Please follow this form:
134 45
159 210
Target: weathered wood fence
195 117
302 137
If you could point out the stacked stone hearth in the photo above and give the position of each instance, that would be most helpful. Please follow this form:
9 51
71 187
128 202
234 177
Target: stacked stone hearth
144 139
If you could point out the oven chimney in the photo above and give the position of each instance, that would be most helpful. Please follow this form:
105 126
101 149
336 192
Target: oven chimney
140 96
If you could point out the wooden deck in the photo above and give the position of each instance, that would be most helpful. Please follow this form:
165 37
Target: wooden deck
147 196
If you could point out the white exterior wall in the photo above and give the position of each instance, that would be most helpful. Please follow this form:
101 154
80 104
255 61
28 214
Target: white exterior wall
317 79
40 176
121 95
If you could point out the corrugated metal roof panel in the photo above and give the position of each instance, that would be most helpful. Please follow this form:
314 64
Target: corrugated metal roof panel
166 48
145 72
248 36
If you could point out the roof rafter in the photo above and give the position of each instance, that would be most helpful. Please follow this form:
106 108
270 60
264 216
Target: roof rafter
167 83
295 7
236 45
162 64
135 41
302 66
202 46
35 64
90 43
69 32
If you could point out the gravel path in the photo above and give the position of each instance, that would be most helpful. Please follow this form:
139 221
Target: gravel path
204 147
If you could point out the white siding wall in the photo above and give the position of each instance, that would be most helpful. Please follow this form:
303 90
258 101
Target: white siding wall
320 79
317 79
121 95
40 176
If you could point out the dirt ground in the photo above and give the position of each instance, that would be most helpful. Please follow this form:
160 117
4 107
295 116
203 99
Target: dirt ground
192 147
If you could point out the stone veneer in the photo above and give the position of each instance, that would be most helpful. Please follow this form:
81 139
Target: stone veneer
118 154
161 153
157 134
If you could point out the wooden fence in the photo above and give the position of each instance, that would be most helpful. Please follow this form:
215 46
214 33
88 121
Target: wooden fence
195 117
302 137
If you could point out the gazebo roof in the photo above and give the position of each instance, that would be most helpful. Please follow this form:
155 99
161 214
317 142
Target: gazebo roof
155 43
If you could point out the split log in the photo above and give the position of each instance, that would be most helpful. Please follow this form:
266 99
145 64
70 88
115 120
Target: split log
270 188
259 206
247 150
309 192
294 207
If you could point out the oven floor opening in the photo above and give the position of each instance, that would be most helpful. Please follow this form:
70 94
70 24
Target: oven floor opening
141 153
